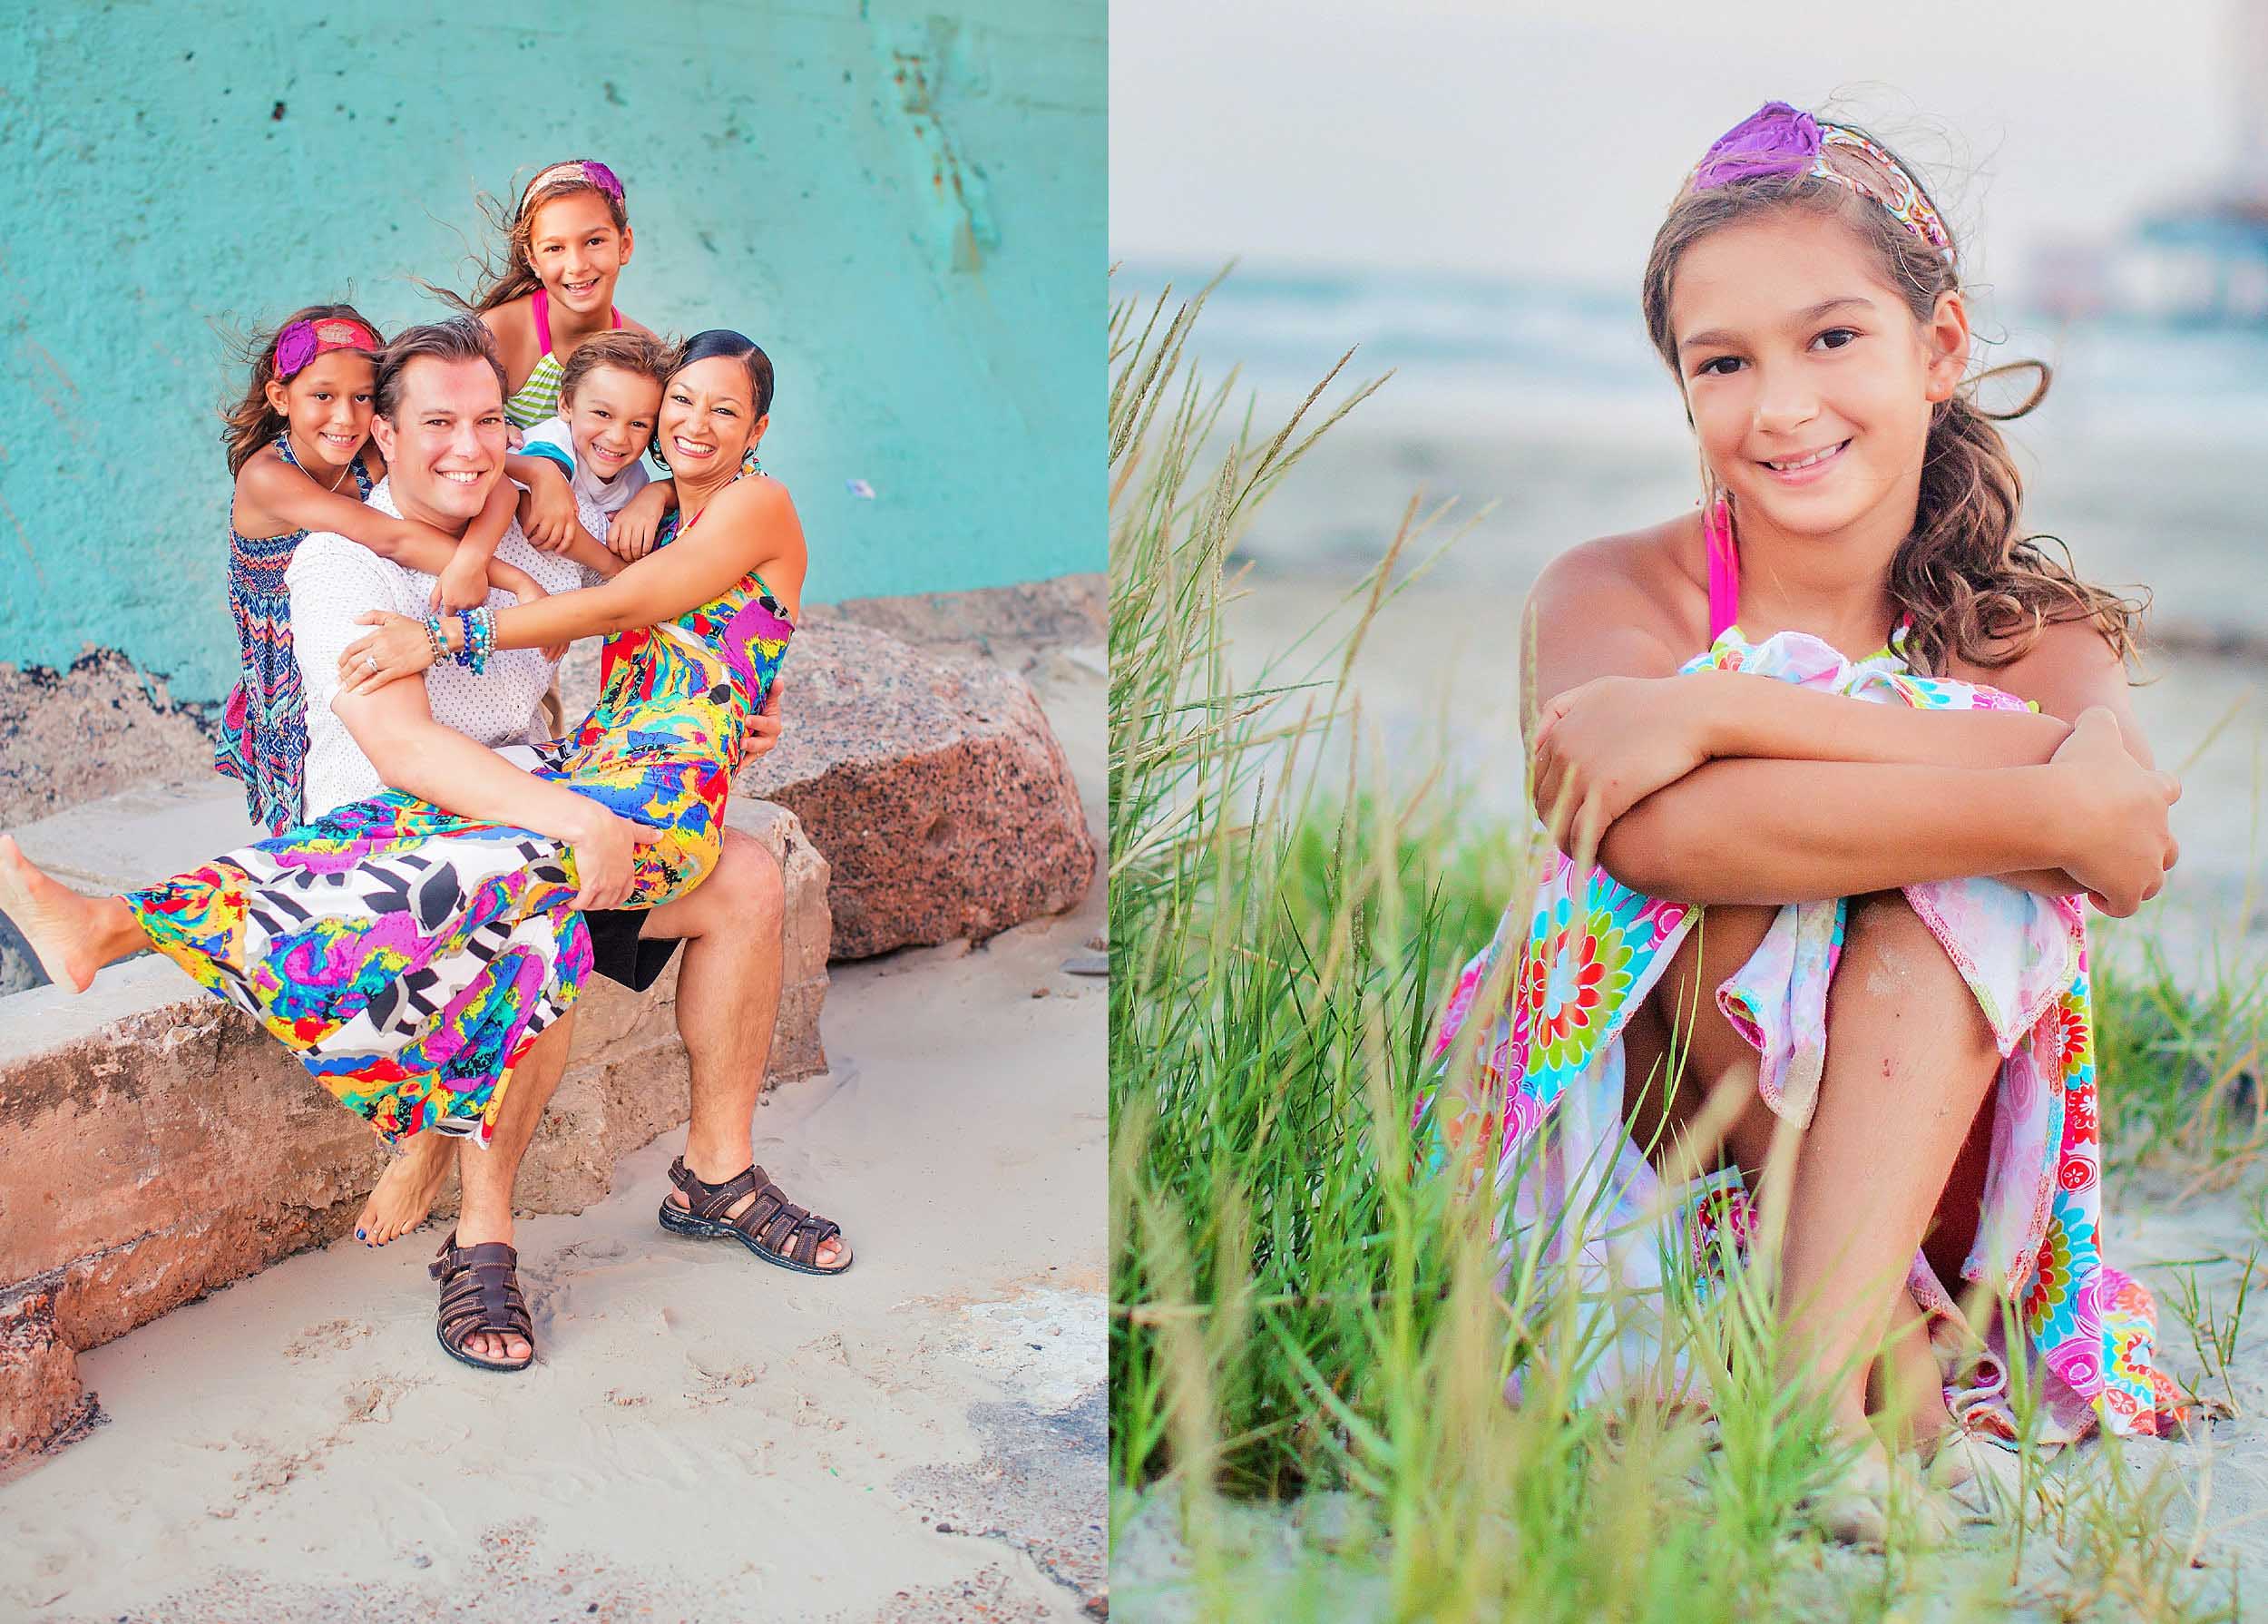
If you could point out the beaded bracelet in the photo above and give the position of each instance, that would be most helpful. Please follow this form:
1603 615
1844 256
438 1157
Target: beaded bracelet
435 641
480 636
480 639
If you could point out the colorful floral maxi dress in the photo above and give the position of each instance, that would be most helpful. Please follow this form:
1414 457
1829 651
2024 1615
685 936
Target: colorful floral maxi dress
410 956
1542 1102
263 739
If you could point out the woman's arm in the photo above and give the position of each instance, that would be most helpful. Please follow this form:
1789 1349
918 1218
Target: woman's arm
418 756
749 525
746 526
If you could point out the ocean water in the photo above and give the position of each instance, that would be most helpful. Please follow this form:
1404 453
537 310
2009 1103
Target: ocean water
1543 416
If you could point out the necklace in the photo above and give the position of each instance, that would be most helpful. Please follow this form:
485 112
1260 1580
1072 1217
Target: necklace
291 457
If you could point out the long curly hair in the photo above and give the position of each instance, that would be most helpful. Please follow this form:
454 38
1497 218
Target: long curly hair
1975 585
251 423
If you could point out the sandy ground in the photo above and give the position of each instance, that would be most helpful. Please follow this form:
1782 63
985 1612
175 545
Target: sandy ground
2210 1490
706 1437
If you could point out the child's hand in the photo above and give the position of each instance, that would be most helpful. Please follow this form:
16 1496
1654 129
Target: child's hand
463 585
631 534
514 436
2120 843
398 647
547 513
1603 747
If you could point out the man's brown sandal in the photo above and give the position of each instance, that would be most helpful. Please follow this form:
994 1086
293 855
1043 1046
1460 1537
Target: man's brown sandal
480 1291
773 1228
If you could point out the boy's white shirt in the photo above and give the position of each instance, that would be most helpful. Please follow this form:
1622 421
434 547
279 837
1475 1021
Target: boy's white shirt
608 495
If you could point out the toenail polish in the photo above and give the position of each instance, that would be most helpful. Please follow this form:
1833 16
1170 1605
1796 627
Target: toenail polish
358 1235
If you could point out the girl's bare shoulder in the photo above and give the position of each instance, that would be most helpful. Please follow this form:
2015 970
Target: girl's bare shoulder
1653 577
514 317
630 324
513 324
264 474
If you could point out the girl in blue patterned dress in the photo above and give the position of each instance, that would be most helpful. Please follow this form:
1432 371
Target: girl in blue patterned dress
301 431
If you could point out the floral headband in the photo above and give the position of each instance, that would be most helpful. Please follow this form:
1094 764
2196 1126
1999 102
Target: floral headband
577 172
1778 139
302 341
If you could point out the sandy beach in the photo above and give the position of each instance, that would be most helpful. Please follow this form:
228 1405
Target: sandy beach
706 1437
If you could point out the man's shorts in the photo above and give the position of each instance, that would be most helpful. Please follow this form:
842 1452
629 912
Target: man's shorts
620 954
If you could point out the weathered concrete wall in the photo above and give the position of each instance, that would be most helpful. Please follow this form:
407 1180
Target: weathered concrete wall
155 1145
904 203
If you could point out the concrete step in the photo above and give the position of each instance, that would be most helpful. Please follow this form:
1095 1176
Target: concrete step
154 1144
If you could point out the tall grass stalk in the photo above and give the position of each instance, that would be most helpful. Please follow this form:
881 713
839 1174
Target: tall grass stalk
1312 1329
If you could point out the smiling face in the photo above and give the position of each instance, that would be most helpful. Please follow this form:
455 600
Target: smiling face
709 418
577 251
610 417
1810 382
326 403
444 446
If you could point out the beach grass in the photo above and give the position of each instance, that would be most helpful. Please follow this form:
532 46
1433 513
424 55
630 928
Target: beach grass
1309 1343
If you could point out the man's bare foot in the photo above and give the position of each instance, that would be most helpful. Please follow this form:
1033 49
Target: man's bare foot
833 1255
73 935
407 1190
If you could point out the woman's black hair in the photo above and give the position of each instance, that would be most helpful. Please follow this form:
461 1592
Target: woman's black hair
723 341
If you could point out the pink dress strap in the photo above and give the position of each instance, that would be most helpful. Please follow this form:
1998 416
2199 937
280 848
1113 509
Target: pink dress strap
1724 571
539 306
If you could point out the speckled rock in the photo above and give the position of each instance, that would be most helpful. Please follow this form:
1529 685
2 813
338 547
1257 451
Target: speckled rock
74 736
935 787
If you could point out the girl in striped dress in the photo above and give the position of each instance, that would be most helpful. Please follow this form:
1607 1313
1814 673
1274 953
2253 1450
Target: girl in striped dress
298 434
566 241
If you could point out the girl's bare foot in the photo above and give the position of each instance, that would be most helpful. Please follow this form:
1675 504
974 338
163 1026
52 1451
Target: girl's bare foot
73 935
407 1190
1858 1507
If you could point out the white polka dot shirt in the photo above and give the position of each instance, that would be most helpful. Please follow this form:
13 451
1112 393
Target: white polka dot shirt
333 580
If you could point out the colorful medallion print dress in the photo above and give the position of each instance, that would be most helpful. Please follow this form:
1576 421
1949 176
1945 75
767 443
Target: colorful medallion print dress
1537 1095
263 742
410 956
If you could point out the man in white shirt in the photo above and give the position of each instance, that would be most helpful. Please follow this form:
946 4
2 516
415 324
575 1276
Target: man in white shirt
440 423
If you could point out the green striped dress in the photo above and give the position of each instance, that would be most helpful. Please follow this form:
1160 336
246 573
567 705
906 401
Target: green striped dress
538 397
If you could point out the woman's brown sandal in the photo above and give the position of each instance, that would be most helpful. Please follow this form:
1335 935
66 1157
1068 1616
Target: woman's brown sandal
480 1291
773 1228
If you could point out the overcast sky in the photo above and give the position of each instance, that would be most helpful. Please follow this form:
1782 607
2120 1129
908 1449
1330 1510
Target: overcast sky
1541 139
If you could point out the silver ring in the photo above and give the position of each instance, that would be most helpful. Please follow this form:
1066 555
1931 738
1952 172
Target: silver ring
371 660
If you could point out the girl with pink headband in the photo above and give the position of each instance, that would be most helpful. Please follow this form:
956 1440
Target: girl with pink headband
1853 715
565 243
301 430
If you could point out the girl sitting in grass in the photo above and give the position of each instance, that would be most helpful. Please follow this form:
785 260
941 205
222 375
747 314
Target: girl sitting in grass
1880 1033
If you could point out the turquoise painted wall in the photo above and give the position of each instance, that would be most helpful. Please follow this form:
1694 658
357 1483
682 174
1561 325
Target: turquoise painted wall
904 205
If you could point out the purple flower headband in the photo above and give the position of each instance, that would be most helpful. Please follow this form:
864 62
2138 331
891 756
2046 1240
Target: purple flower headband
302 341
1779 140
581 171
